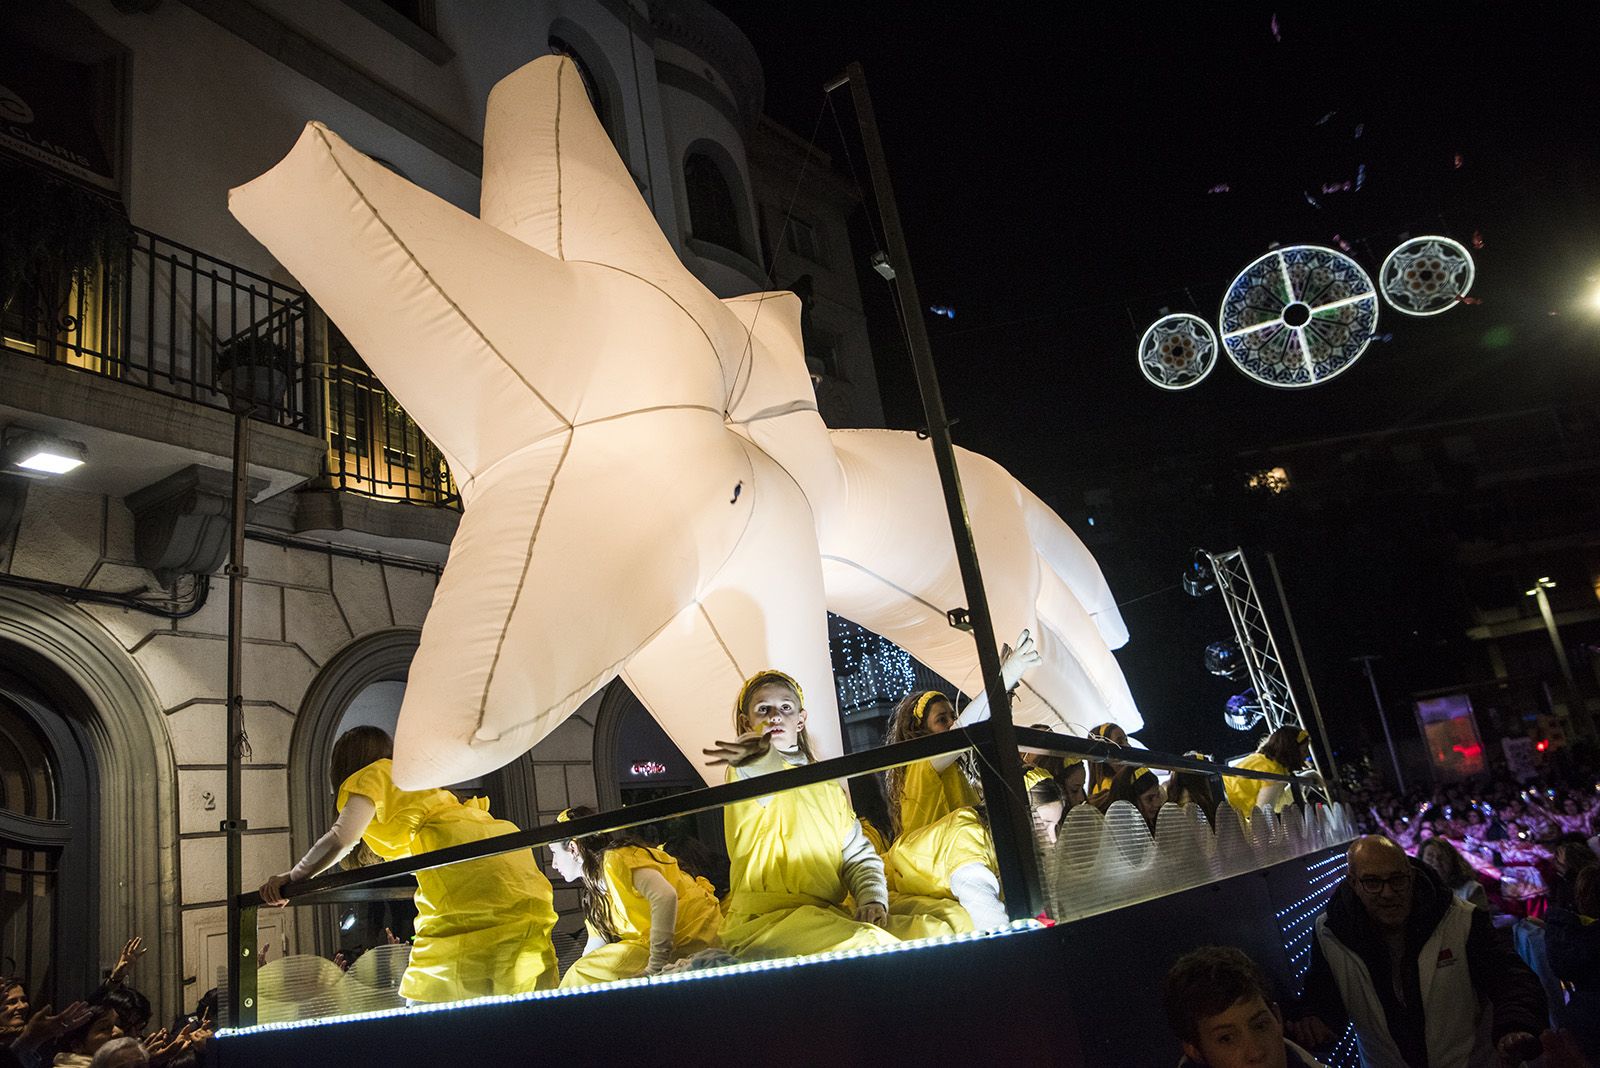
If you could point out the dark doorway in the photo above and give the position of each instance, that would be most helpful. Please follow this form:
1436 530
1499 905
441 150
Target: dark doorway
48 879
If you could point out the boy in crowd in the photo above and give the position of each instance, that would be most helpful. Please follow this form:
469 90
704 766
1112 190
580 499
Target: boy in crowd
1216 1001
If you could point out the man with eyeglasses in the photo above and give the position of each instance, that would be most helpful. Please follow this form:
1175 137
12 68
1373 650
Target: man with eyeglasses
1424 977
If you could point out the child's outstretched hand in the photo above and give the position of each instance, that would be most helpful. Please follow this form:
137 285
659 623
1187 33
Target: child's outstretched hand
741 750
1015 662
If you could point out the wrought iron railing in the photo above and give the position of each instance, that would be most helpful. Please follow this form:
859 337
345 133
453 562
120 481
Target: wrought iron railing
170 319
374 447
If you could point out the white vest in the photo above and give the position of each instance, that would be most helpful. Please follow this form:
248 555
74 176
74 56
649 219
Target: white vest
1457 1021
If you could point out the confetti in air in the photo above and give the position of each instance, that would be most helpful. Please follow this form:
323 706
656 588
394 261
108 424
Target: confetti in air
1477 239
1313 201
1276 35
1361 128
1220 187
1324 120
1460 159
1342 243
1361 175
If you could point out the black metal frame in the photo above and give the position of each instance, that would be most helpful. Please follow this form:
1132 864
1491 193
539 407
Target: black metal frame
380 882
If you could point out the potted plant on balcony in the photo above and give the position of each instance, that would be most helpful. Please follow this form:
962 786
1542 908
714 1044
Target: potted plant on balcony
253 370
54 235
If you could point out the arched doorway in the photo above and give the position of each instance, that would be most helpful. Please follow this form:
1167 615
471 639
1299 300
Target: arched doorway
48 889
104 724
364 684
635 761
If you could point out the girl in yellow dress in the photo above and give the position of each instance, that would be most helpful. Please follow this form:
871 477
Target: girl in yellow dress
797 856
949 867
923 791
642 911
1101 772
1284 750
483 926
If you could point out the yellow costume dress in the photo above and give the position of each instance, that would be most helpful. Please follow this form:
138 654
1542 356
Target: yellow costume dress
483 927
919 866
927 795
1242 793
786 880
699 917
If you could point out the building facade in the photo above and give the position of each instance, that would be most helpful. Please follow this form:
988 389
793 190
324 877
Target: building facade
137 311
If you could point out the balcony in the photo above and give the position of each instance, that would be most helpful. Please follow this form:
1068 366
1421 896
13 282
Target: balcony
168 322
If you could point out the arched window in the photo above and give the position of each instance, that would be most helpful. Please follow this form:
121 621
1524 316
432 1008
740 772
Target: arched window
713 213
599 97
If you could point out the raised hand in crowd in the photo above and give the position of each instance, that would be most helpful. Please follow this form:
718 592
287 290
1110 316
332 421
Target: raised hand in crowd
131 952
42 1028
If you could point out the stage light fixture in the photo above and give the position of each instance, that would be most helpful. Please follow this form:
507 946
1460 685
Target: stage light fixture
1198 579
1225 659
34 453
1243 711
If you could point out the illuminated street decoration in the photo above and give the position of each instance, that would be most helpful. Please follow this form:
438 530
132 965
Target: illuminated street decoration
1426 275
1178 351
1298 316
648 489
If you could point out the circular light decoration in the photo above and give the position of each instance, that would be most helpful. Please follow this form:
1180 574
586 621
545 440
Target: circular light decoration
1178 351
1299 316
1426 275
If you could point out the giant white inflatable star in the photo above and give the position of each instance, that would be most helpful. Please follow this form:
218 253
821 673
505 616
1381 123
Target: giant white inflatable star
647 487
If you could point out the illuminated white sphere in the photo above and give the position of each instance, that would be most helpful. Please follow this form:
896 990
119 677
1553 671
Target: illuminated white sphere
1426 275
1298 316
1178 351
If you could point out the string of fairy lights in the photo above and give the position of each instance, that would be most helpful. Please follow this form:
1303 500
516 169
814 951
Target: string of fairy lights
869 671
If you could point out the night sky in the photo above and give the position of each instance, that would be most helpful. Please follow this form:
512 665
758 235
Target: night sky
1053 172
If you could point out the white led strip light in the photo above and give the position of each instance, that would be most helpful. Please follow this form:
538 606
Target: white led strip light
1015 927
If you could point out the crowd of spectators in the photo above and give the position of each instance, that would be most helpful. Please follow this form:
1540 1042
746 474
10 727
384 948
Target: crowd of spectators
1466 932
108 1029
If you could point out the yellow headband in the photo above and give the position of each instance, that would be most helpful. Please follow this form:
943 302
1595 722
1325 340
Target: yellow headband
920 709
761 678
1302 736
564 816
1032 777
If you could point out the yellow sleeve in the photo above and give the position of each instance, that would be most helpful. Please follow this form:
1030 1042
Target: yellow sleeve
375 783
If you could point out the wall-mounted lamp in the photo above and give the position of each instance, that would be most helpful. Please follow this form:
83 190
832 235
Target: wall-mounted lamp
36 454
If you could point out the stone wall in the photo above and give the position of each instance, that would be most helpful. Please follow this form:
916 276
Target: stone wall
301 608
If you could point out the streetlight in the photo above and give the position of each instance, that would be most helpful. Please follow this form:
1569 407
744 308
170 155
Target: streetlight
1575 706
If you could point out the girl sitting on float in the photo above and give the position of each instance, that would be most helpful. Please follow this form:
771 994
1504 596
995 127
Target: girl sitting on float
1283 751
798 855
1140 788
1101 772
483 926
642 911
951 861
924 791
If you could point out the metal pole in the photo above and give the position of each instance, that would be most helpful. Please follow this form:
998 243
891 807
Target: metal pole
1011 822
1577 711
1300 656
240 954
1383 718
